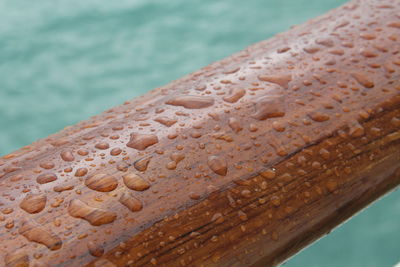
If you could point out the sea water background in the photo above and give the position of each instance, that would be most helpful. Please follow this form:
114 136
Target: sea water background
64 61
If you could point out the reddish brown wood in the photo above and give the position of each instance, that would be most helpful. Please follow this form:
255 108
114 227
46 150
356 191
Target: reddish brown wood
242 163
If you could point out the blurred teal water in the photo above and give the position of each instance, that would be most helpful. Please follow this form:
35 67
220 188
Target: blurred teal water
64 61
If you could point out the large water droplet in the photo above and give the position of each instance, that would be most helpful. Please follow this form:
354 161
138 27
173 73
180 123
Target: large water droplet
318 116
47 165
235 125
94 216
81 172
331 186
142 164
103 263
67 156
101 182
231 70
17 259
325 42
235 95
102 146
269 106
37 234
191 101
166 121
33 203
135 182
269 174
142 141
115 151
356 129
218 165
394 24
363 79
279 79
131 202
95 250
46 178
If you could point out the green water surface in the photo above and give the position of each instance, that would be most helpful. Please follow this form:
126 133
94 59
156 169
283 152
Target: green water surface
64 61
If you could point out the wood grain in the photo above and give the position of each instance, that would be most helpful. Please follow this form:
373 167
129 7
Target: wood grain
242 163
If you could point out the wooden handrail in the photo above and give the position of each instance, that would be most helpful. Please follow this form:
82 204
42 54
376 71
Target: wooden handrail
242 163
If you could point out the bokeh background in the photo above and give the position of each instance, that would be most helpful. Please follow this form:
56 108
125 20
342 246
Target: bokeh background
64 61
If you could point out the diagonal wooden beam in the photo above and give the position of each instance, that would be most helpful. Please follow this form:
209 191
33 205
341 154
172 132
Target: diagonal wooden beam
242 163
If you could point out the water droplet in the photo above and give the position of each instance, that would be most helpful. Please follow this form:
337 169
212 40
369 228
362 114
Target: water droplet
283 50
235 95
135 182
275 200
367 36
166 121
231 70
142 164
142 141
331 185
395 121
102 146
245 193
356 129
101 182
196 134
46 178
103 263
131 202
94 249
363 79
47 165
35 233
81 172
153 261
235 125
171 165
67 156
278 126
218 165
253 127
223 136
394 24
16 178
318 116
325 42
16 259
316 165
62 188
269 106
274 236
324 153
94 216
269 174
115 151
33 203
191 101
177 157
218 218
9 223
123 166
281 80
368 53
242 216
194 196
7 210
83 152
311 49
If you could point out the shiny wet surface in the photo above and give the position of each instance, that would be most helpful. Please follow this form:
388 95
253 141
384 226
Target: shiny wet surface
62 63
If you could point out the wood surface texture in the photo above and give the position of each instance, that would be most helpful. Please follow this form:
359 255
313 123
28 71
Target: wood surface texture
242 163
